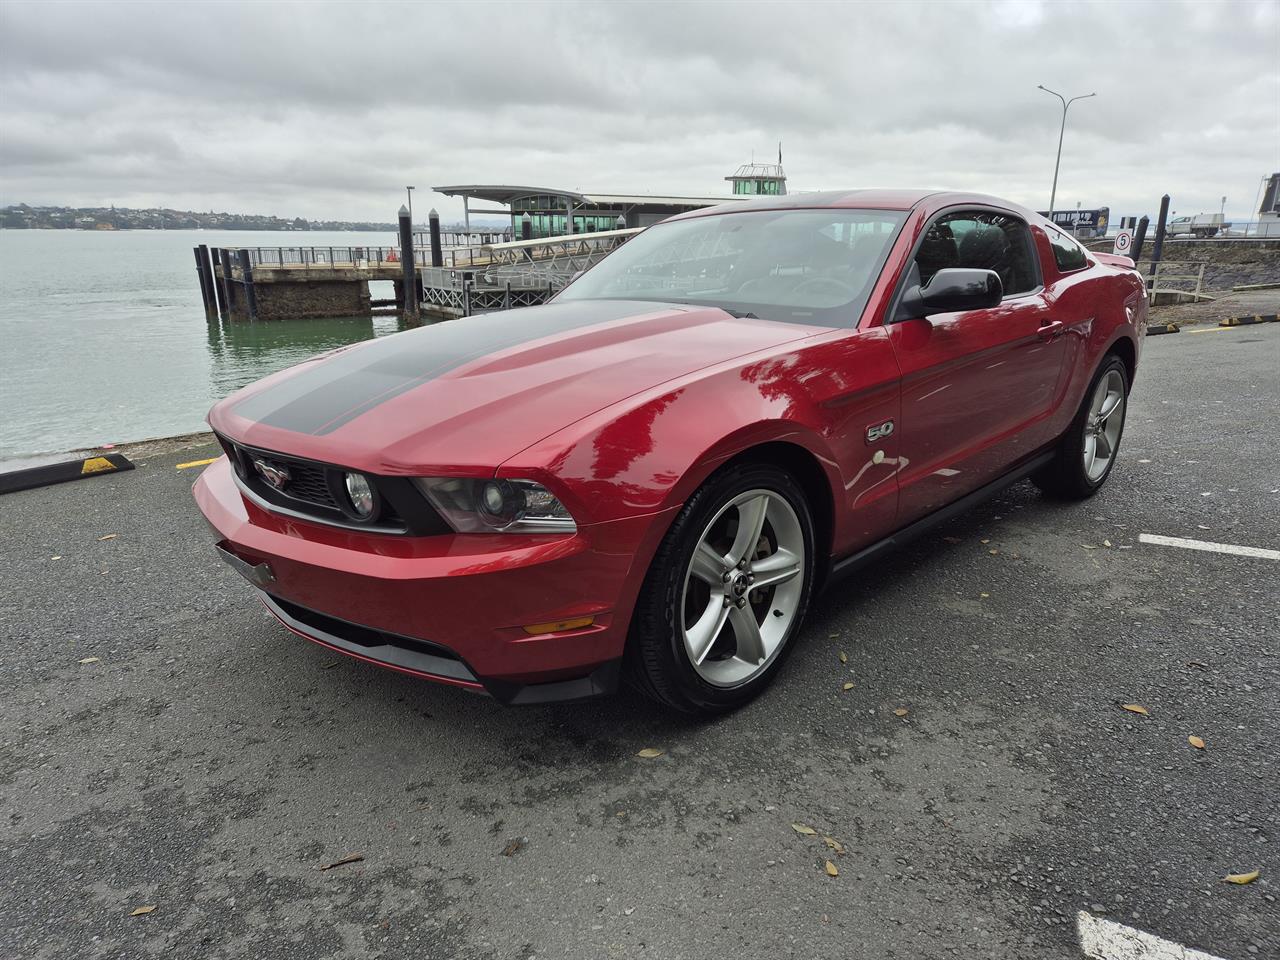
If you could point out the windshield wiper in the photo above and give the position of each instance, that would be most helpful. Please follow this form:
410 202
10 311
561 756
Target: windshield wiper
740 314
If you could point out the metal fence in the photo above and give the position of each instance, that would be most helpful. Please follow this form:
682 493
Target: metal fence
1256 229
462 238
329 256
553 254
1185 276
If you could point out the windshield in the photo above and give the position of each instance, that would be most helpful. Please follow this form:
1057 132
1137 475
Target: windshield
797 266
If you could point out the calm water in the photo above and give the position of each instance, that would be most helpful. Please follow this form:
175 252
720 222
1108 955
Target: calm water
103 337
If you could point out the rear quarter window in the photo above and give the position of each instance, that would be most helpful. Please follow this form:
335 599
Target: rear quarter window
1067 254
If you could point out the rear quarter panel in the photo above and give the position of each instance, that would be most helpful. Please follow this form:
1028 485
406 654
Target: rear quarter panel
1102 305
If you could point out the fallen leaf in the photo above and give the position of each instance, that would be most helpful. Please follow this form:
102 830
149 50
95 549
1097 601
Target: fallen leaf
801 828
900 712
1196 742
831 869
993 552
984 595
986 541
59 557
109 536
834 844
349 858
843 657
1241 878
139 911
512 847
1088 546
848 685
89 660
649 753
1135 708
1106 543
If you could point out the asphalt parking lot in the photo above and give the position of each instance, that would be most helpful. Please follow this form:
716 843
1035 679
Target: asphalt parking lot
164 743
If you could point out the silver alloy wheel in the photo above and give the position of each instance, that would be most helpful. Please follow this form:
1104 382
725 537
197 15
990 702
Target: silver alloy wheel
743 588
1102 429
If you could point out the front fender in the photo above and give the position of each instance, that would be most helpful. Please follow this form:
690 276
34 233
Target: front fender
649 453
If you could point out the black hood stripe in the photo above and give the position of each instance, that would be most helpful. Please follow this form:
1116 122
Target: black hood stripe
335 391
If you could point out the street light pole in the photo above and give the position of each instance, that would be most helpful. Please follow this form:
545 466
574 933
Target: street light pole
409 191
1065 103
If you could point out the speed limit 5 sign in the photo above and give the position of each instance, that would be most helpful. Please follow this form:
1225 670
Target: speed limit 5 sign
1124 241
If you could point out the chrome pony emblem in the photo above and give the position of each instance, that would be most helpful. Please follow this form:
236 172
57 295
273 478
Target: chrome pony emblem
276 474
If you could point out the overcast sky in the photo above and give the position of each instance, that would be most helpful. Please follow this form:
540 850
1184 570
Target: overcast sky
326 110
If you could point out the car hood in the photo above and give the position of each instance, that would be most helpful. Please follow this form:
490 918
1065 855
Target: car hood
462 396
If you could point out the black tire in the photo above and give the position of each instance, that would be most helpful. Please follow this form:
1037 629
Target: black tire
656 662
1065 477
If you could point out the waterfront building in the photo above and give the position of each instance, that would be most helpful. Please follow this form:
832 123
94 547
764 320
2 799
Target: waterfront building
556 212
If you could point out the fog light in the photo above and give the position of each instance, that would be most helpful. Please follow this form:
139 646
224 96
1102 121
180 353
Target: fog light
361 495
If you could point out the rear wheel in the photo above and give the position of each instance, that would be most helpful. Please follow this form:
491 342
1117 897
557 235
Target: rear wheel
726 592
1087 451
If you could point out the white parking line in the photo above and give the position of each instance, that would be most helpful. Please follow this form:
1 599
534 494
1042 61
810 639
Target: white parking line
1259 552
1107 940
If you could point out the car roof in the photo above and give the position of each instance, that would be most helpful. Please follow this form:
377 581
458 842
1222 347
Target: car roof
863 199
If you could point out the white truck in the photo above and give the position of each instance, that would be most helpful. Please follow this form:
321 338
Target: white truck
1201 225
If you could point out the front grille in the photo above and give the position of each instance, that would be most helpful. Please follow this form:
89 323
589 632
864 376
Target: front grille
307 482
313 490
358 635
389 649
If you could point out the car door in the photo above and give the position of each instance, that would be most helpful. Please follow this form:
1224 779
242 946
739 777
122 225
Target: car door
978 386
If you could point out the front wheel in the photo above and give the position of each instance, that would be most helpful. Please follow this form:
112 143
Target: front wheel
1087 451
726 592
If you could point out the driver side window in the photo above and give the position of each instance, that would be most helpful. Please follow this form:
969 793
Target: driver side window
983 240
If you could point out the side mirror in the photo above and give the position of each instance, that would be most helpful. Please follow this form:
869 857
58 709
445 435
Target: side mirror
950 291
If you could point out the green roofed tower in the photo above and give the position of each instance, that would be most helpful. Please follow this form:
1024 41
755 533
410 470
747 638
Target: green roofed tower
760 179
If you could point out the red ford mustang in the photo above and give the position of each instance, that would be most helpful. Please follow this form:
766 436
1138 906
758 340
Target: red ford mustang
649 477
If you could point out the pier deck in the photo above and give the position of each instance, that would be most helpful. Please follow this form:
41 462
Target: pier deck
286 283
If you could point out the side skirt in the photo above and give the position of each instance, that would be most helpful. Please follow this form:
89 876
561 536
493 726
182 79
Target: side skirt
850 564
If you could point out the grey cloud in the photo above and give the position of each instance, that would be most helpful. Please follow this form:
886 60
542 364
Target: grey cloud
307 109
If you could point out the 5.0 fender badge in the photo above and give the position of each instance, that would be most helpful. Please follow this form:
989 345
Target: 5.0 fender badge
878 432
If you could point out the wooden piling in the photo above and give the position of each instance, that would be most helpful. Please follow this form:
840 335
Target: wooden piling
205 272
246 274
408 264
1157 249
437 253
223 286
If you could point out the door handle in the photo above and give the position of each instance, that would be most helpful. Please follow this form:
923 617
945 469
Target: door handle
1052 330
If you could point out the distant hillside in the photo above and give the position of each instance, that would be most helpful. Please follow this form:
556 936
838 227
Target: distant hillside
23 217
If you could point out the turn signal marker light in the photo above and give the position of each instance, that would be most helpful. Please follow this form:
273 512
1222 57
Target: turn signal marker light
577 623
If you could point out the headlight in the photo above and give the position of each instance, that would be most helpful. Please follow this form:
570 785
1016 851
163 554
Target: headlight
496 506
361 494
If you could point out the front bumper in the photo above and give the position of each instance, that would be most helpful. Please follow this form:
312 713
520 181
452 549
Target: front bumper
451 607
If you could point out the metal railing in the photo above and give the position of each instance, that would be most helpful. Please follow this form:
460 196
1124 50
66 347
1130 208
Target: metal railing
554 255
1166 277
462 238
